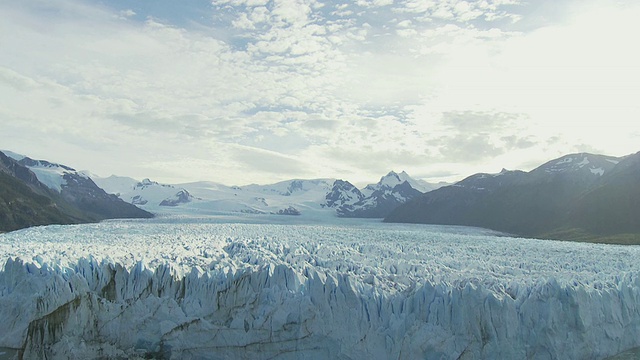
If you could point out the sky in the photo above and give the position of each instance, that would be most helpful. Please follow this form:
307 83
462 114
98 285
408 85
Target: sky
259 91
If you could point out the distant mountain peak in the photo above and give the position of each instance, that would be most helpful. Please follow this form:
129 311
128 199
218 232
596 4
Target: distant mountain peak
392 179
145 183
394 175
181 197
342 193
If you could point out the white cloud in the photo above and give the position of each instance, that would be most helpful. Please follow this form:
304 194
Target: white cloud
127 13
243 22
17 81
374 3
289 88
248 3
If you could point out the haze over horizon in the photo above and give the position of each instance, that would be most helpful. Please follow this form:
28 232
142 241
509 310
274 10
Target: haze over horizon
258 91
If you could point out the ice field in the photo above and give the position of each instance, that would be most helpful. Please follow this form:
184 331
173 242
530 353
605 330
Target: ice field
246 288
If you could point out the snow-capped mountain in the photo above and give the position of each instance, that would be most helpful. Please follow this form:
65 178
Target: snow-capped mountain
25 201
181 197
488 182
152 192
64 195
392 179
145 192
374 200
343 193
572 197
380 202
53 175
296 187
115 184
589 165
318 197
291 197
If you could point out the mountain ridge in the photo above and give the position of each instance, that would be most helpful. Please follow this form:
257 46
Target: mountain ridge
573 197
38 192
579 196
285 197
25 201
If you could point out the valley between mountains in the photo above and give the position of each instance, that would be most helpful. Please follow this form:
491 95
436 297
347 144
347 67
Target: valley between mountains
584 197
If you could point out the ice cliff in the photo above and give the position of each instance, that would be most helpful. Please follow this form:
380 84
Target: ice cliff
260 297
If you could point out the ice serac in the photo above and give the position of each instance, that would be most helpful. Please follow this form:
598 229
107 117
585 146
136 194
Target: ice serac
275 310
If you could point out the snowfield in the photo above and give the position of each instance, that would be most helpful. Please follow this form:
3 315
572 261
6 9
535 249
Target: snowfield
243 287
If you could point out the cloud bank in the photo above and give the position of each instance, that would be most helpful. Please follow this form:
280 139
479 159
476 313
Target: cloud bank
240 91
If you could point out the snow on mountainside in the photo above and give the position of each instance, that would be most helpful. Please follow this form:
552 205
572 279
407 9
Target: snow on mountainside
381 202
50 174
311 188
581 167
152 193
488 182
285 197
378 200
14 156
290 197
392 179
573 197
316 197
187 289
145 192
115 184
588 164
342 193
74 193
25 201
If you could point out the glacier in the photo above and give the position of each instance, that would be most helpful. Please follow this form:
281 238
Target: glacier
214 288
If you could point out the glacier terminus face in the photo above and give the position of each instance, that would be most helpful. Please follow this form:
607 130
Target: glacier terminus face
244 288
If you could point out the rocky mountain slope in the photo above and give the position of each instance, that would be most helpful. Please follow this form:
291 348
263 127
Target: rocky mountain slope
375 200
315 197
284 198
145 192
37 192
24 201
575 197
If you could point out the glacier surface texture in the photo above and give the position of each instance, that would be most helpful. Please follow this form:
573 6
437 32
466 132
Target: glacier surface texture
208 289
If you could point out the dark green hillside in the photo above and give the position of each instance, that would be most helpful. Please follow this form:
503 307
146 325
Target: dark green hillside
505 208
579 197
612 207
